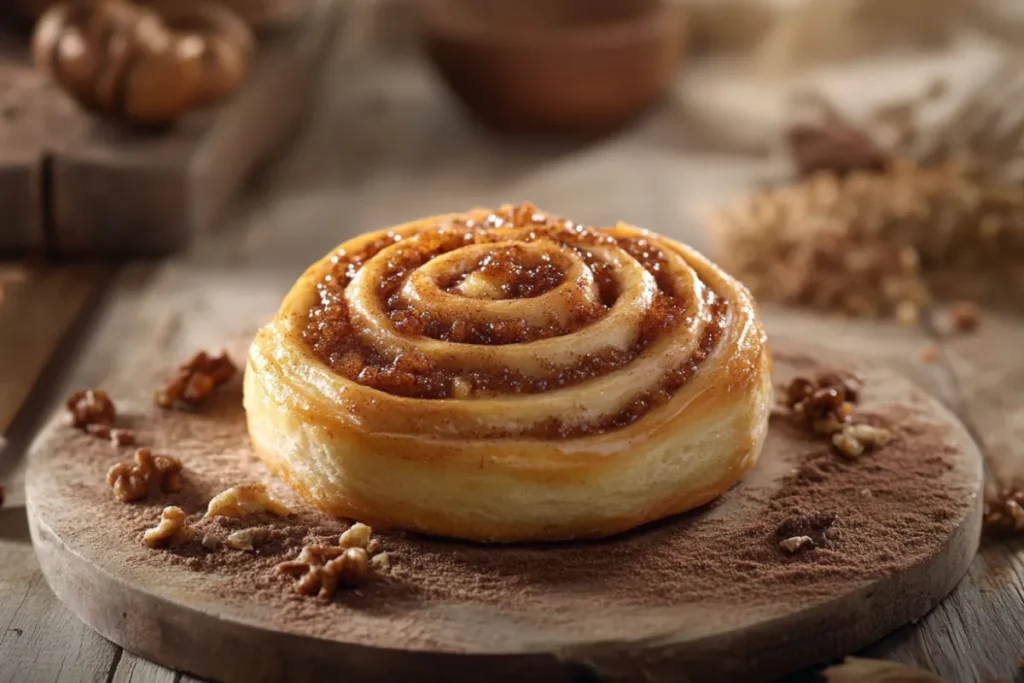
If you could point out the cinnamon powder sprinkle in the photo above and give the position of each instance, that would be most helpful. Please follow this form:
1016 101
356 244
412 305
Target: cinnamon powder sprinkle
731 558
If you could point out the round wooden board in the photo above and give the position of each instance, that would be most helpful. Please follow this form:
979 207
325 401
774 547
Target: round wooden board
454 611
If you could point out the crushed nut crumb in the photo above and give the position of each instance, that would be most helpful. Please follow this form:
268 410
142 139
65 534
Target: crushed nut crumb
211 542
196 379
380 562
245 539
356 536
931 354
90 407
122 437
908 314
848 446
1004 512
133 482
171 526
964 316
855 439
825 404
795 544
241 501
100 430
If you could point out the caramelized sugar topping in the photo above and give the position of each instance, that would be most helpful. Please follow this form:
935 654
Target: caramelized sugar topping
455 282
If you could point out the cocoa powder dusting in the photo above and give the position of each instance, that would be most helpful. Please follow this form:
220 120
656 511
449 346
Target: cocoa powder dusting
868 518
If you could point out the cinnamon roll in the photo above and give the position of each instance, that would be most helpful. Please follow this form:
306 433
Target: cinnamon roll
510 376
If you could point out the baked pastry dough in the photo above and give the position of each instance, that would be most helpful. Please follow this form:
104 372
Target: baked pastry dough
510 376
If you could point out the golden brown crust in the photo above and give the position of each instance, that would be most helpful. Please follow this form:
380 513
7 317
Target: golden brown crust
670 428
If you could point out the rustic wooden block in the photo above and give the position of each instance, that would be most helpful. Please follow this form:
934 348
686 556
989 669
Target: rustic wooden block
77 186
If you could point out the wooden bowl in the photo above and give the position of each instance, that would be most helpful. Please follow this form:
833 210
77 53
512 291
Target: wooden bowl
560 66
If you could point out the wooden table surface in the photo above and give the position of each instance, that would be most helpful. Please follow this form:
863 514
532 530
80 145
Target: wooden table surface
385 145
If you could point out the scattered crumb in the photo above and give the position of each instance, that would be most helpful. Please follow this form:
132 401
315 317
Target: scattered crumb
381 562
795 544
931 354
908 314
964 316
246 539
357 536
122 437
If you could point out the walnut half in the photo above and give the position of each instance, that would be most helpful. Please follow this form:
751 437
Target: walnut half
241 501
92 407
133 482
196 379
322 569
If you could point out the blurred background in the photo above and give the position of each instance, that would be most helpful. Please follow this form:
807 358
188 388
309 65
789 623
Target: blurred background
641 110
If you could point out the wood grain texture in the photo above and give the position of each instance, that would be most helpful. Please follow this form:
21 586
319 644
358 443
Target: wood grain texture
38 640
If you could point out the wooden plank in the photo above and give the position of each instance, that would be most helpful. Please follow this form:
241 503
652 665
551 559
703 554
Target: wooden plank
29 117
37 307
131 668
40 307
39 639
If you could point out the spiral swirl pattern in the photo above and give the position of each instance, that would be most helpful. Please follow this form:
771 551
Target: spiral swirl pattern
460 353
495 306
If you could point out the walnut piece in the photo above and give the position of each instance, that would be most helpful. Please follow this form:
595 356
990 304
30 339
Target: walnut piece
211 542
171 526
89 408
196 379
1004 512
823 404
795 544
322 569
380 562
245 539
931 354
964 316
853 244
122 437
133 482
356 536
854 440
241 501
